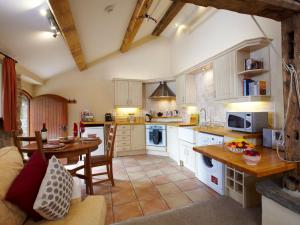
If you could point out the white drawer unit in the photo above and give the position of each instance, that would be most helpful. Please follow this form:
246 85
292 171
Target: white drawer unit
130 139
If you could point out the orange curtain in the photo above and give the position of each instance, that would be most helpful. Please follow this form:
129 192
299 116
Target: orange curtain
9 95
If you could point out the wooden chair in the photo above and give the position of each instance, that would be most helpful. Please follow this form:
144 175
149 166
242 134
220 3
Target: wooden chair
20 139
106 159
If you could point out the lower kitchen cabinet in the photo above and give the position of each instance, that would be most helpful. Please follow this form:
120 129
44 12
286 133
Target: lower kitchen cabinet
187 155
172 143
130 140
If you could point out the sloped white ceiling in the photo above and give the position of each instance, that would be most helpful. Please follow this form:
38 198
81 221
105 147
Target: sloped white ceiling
25 33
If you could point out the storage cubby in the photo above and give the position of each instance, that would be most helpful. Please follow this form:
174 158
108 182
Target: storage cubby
241 187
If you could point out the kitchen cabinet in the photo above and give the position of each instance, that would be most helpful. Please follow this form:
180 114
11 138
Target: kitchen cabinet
172 143
186 90
128 93
187 155
225 78
130 140
138 137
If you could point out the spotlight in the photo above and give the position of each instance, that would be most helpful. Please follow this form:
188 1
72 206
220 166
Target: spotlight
43 12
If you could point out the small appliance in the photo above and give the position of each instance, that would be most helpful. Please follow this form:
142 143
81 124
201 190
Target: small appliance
108 117
148 117
249 122
271 137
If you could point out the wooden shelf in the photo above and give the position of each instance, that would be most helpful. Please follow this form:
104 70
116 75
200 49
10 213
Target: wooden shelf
260 98
254 72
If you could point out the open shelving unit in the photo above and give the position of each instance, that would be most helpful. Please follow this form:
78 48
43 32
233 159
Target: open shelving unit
241 187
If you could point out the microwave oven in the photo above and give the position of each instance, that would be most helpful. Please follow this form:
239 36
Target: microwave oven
250 122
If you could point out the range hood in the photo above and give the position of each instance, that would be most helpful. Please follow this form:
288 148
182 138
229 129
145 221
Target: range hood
163 92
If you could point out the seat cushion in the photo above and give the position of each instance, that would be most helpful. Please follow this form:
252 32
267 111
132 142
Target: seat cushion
11 164
25 187
91 211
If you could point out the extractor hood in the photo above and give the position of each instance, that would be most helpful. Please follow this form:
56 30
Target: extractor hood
163 92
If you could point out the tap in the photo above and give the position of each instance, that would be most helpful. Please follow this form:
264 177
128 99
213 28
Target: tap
204 110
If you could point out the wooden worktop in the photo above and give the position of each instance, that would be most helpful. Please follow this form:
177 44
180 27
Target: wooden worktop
221 131
268 165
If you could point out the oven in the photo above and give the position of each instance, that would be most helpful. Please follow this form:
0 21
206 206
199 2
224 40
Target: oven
156 135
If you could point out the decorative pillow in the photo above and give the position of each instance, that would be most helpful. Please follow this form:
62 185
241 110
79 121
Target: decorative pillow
25 187
54 197
11 164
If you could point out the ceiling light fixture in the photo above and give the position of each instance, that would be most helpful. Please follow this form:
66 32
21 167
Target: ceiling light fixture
52 22
43 12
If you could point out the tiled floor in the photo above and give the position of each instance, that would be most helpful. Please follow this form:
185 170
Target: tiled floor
147 184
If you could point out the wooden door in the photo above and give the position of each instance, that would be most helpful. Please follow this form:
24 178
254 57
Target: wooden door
121 93
180 89
49 109
135 93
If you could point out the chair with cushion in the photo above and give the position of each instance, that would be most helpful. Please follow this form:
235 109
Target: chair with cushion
106 159
90 211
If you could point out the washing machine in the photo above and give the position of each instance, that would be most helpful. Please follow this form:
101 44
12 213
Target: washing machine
208 170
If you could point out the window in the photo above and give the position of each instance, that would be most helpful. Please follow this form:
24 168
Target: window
24 112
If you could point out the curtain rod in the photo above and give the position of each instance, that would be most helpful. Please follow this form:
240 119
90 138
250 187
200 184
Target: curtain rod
8 56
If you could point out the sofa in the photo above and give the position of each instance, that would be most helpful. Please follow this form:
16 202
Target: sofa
90 211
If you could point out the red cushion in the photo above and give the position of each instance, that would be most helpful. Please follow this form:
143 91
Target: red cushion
25 187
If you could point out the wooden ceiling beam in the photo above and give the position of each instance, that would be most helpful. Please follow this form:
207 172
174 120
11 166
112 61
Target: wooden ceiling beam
274 9
64 18
172 11
141 8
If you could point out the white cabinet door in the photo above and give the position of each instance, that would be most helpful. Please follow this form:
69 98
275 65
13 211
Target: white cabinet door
224 76
121 92
191 159
186 90
138 139
135 93
187 155
172 143
180 89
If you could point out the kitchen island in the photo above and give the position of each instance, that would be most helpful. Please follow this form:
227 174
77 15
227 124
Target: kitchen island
269 164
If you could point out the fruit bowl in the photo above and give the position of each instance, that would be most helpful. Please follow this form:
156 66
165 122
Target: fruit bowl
251 157
239 146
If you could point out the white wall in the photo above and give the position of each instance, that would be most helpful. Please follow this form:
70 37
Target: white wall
93 88
221 31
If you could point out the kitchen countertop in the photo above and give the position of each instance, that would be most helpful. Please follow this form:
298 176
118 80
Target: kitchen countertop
175 124
221 131
269 164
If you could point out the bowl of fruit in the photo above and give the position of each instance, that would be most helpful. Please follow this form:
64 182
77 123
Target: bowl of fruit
239 145
251 157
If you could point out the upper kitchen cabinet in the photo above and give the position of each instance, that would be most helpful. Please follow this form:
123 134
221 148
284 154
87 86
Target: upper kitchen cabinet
186 90
225 78
128 93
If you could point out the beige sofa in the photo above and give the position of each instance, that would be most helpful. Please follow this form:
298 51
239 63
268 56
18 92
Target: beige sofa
90 211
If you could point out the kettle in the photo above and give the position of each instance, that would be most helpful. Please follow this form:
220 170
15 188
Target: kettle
148 118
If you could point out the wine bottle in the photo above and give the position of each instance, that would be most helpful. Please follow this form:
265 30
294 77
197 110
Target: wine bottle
44 133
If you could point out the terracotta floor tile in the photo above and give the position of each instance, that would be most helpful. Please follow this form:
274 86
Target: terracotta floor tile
189 184
121 185
150 167
199 194
127 211
153 206
136 175
102 189
108 200
163 179
166 189
177 200
143 182
134 169
169 170
147 193
109 216
122 197
177 176
154 173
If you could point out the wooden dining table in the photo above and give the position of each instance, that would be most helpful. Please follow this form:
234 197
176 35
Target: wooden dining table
69 150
